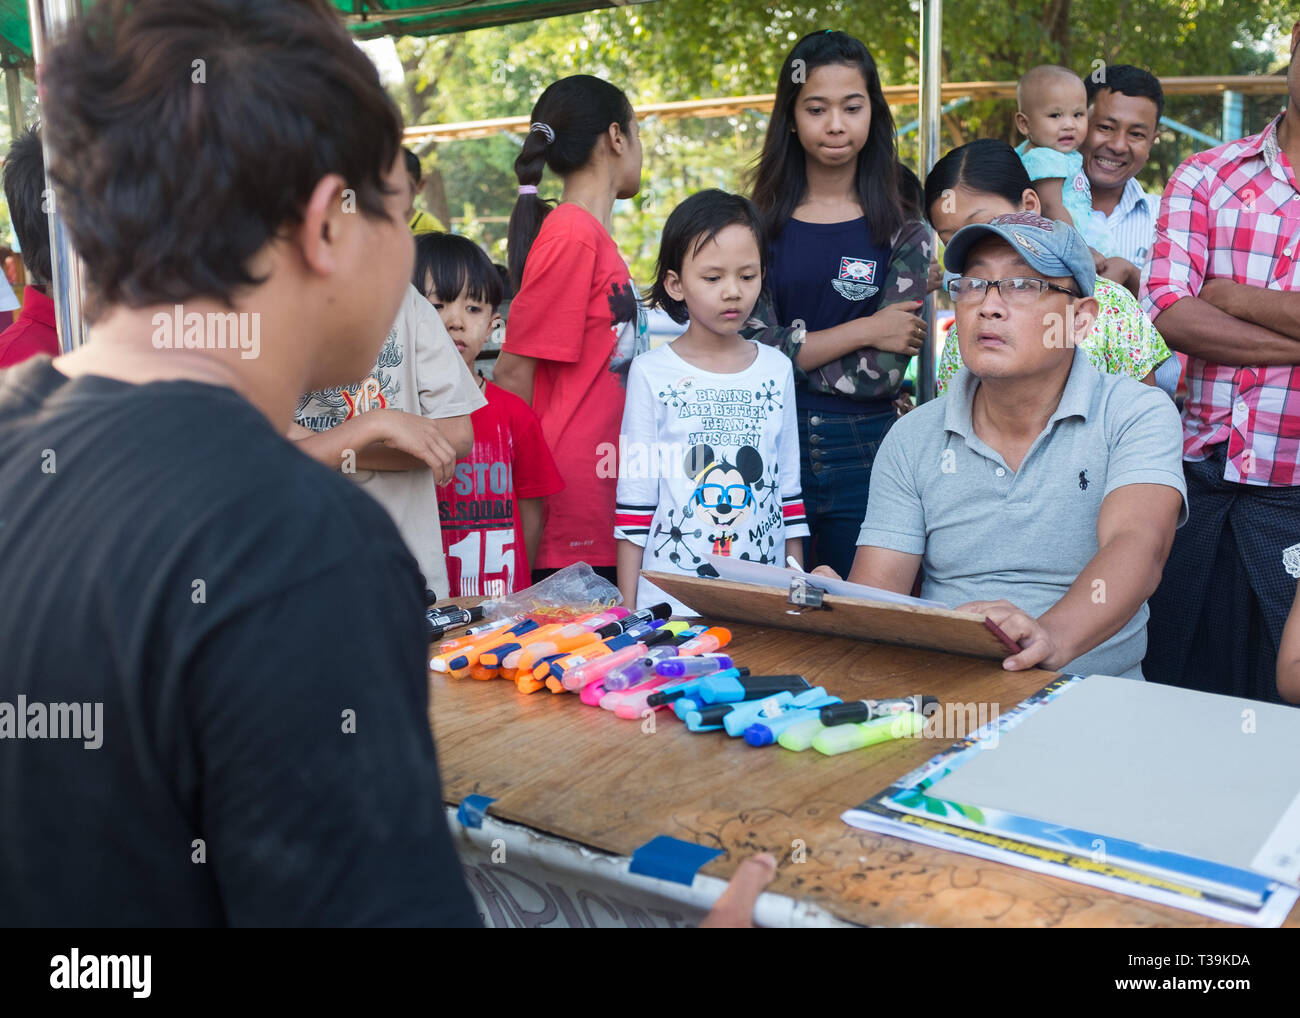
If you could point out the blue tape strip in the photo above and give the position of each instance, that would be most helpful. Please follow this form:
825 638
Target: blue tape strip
472 810
671 859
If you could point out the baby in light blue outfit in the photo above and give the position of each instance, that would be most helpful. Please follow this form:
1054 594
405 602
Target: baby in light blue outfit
1053 116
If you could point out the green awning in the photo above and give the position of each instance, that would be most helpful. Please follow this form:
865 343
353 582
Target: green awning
367 19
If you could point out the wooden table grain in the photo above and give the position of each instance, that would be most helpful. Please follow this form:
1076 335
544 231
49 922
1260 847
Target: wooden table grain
578 772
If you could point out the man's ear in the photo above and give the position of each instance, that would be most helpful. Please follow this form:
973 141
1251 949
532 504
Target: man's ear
1085 317
1022 123
323 223
673 285
1030 201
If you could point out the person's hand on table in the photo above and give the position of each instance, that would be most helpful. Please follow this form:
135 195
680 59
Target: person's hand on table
1038 646
826 571
734 908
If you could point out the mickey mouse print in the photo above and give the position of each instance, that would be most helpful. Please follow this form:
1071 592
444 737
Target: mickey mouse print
709 463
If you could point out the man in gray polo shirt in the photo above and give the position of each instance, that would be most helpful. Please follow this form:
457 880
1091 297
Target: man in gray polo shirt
1037 491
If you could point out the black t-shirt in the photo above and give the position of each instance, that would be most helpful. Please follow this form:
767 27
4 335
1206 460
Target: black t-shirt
251 624
826 274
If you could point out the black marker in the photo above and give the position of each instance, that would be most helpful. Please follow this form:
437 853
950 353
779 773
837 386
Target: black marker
867 710
448 617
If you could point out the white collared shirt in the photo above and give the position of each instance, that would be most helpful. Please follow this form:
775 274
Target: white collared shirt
1131 228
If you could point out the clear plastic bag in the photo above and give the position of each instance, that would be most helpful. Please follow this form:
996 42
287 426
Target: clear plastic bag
566 594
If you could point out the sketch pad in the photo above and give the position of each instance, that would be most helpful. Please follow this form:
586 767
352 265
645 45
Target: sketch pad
1214 777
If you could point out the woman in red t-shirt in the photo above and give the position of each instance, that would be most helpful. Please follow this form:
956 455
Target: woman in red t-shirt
576 322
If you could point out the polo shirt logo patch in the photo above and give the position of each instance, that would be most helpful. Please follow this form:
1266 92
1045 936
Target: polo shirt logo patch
1291 561
856 278
1083 480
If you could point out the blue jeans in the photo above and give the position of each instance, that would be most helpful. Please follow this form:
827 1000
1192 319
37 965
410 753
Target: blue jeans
835 456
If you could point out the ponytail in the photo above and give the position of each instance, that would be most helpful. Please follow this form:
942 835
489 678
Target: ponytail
567 122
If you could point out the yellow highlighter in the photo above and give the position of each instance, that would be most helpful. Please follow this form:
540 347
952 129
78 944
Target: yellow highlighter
843 738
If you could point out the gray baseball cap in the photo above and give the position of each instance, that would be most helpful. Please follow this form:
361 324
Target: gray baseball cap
1047 245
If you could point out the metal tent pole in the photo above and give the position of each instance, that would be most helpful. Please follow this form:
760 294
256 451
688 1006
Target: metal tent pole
48 19
13 91
931 37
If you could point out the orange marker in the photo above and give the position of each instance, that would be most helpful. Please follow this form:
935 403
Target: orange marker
558 668
706 643
496 655
463 657
527 684
555 644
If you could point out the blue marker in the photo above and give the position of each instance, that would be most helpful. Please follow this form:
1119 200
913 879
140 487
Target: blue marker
765 731
726 688
771 708
679 689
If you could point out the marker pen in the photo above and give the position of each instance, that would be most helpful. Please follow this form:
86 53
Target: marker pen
566 639
639 670
591 693
647 695
857 711
492 657
575 678
766 731
526 683
641 630
709 640
799 736
658 612
448 617
688 688
756 712
557 668
726 688
843 738
692 667
463 657
474 632
712 717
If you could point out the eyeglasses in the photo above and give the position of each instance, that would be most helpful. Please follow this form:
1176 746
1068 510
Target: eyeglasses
711 496
1015 290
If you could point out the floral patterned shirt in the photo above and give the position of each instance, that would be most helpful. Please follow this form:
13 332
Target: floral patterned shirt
1122 342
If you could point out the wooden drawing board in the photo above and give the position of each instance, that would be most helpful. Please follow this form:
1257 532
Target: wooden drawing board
903 625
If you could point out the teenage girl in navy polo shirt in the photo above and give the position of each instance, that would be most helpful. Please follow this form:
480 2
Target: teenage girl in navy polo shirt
846 275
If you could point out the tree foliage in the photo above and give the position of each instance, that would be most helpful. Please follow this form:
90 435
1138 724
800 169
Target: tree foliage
688 49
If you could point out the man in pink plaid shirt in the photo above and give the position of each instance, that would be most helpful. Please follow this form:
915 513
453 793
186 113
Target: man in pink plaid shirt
1220 287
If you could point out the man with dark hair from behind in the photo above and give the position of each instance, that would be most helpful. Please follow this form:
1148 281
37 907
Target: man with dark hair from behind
237 627
24 179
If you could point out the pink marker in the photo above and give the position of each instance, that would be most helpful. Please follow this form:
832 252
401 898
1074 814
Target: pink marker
596 670
591 693
631 703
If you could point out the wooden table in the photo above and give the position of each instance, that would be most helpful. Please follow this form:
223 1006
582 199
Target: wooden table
556 765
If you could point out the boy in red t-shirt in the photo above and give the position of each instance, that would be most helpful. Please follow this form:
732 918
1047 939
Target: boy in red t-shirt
491 510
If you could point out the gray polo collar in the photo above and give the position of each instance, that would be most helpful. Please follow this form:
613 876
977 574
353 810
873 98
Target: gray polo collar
1076 399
